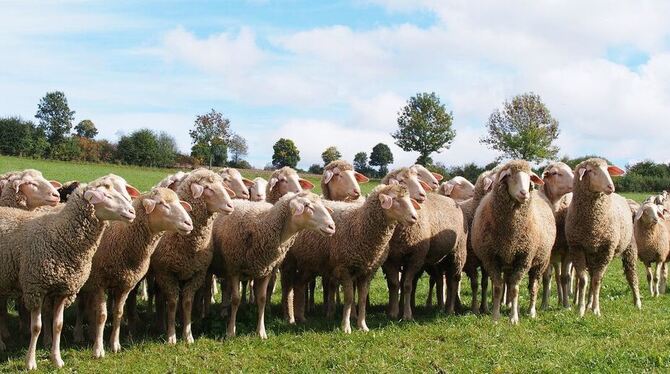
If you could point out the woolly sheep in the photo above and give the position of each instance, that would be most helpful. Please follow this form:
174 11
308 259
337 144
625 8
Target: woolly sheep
122 260
285 180
67 189
254 239
180 262
49 255
652 240
352 255
598 227
28 190
432 179
172 181
457 188
512 234
238 184
340 181
257 190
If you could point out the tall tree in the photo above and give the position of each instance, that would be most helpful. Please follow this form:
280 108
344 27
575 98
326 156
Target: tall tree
285 154
210 137
138 148
55 117
238 148
523 128
424 126
167 150
381 156
361 162
86 129
21 138
330 154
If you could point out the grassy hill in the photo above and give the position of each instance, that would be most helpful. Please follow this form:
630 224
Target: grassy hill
623 339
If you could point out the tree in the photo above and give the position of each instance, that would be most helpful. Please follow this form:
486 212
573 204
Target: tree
361 162
238 147
381 156
210 136
315 169
86 129
424 126
138 148
67 150
285 154
106 150
90 149
330 154
55 117
524 129
166 153
21 138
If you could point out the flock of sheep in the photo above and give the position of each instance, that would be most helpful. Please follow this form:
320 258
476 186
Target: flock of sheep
90 242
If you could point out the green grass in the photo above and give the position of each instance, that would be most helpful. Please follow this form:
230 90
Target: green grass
623 339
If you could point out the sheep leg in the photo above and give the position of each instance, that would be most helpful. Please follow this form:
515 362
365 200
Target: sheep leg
131 311
439 290
35 329
187 297
453 277
59 307
484 307
474 286
664 279
559 289
348 288
311 302
546 287
272 281
171 298
533 285
261 290
144 289
513 294
596 282
393 283
98 306
565 282
152 289
287 301
629 259
117 315
208 290
4 331
243 293
234 286
225 297
333 292
408 287
363 288
650 278
657 277
431 287
299 298
497 281
81 313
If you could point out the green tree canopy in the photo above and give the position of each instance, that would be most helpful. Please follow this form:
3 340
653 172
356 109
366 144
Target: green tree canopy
381 156
138 148
86 129
21 138
210 137
424 126
285 154
55 117
238 148
330 154
360 162
523 128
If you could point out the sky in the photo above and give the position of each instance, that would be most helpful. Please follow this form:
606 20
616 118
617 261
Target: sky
337 72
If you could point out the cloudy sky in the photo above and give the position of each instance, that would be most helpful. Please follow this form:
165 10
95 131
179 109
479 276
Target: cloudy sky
336 72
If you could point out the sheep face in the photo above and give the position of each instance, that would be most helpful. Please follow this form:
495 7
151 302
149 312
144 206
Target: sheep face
166 213
109 203
558 178
286 182
518 182
650 214
257 190
343 184
399 207
217 197
430 178
234 181
410 179
458 188
598 176
308 212
37 190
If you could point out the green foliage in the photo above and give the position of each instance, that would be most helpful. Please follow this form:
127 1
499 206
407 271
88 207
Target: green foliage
210 137
238 148
523 129
167 150
315 169
381 156
143 147
21 138
285 154
86 129
67 150
424 126
330 154
55 117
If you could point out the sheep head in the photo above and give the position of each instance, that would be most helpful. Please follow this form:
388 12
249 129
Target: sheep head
257 190
515 177
397 204
36 190
408 178
166 212
308 212
596 176
286 180
234 181
340 181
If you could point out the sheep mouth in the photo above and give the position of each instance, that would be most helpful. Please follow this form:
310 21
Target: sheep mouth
128 216
327 231
184 232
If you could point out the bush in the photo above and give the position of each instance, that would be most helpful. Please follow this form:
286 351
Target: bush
315 169
67 150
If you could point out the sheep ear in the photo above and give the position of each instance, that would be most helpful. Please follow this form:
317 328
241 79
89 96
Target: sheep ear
535 179
196 190
386 200
231 193
186 205
505 173
149 205
17 184
639 214
297 208
661 213
56 184
488 182
327 176
447 189
132 191
94 196
247 182
425 186
360 178
415 204
582 172
437 176
273 181
336 170
393 181
330 210
305 184
615 171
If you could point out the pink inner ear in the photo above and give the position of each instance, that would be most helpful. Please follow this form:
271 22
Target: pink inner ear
535 179
56 184
273 181
425 186
582 171
298 209
132 191
615 171
327 176
186 206
197 190
448 189
487 183
437 176
305 184
247 182
149 205
231 193
360 178
387 201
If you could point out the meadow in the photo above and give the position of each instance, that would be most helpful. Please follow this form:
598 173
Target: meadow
623 339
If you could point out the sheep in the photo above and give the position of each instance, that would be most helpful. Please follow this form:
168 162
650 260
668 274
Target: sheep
49 255
598 227
180 262
340 181
254 239
352 255
28 190
431 178
282 181
4 179
238 184
457 188
439 235
122 260
257 190
512 234
172 181
653 243
557 189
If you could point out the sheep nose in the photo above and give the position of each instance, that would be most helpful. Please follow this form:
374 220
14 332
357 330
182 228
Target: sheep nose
355 194
131 210
331 226
610 188
188 223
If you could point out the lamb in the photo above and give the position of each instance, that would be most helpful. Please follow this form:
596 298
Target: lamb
257 190
457 188
285 180
255 238
439 235
512 234
28 190
238 184
598 227
180 262
340 181
557 189
352 255
653 242
122 260
49 255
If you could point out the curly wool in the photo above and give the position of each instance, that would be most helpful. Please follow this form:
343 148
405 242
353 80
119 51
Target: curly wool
340 164
272 194
10 197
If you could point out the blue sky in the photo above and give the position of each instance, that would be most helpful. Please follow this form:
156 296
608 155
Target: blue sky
336 72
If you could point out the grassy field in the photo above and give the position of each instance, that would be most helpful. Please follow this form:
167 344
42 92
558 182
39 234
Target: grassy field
623 339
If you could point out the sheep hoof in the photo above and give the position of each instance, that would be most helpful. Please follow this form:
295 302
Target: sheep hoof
514 320
262 335
172 340
533 313
189 339
115 347
31 364
346 329
638 304
57 361
98 352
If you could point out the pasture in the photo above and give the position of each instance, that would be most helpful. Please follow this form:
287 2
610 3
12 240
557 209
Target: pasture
623 339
